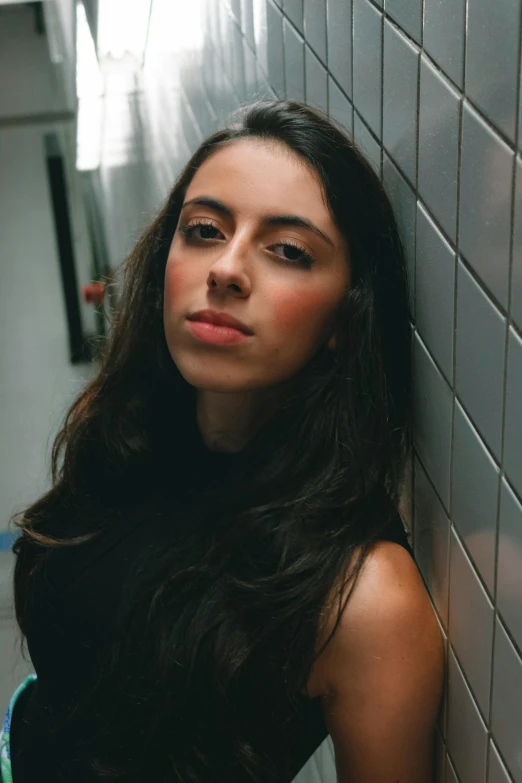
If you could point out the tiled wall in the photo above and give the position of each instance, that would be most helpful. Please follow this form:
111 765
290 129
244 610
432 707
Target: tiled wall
430 90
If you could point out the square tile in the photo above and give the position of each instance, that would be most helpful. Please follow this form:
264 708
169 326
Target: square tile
399 124
438 146
467 733
294 64
315 26
403 202
506 710
451 775
260 33
480 358
339 107
497 773
408 14
444 35
235 8
485 203
339 26
475 496
238 64
471 618
212 19
432 402
295 12
513 431
432 528
509 572
249 61
491 50
516 284
406 498
367 62
366 143
442 717
265 91
440 759
435 269
247 20
276 65
316 82
226 24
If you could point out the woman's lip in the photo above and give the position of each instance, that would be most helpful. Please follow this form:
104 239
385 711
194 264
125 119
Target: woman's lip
218 335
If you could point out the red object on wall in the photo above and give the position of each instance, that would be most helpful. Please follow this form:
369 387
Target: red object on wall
93 293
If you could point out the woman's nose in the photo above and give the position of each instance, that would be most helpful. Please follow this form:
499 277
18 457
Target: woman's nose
229 271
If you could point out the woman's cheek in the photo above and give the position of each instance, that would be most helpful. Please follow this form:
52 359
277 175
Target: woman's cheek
300 311
174 282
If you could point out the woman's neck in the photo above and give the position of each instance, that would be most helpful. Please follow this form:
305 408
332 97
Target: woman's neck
228 421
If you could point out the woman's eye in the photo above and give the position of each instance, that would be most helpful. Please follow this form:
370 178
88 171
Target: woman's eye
199 231
293 254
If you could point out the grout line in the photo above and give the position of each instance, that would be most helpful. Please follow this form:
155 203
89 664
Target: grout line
326 15
303 35
459 536
381 141
505 388
513 145
352 19
453 767
446 236
452 527
454 244
472 692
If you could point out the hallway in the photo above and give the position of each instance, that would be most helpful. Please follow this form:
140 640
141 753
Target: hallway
37 383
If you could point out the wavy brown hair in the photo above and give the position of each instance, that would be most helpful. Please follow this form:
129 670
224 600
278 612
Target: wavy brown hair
232 620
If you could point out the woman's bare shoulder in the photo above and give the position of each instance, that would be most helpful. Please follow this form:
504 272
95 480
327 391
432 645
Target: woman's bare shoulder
382 675
388 605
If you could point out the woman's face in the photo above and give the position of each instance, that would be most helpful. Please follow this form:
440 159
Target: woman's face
255 240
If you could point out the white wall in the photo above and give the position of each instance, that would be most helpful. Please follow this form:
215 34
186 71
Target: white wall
27 76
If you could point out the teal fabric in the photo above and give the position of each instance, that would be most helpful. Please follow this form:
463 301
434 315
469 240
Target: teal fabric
6 775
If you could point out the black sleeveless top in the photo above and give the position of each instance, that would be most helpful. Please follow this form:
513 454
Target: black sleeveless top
71 612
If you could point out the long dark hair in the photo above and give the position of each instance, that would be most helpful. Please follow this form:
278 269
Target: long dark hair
230 627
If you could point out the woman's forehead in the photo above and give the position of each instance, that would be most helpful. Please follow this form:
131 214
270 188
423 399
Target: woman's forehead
261 176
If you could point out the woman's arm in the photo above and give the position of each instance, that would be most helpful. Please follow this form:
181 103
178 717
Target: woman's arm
383 675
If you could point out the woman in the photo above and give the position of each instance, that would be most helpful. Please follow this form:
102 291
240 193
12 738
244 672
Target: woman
219 576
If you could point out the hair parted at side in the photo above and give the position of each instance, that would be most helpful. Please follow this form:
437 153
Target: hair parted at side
235 632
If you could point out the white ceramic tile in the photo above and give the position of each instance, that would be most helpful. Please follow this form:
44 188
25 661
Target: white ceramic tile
471 624
467 734
506 710
509 572
403 201
432 411
435 269
480 358
432 529
367 60
401 76
438 146
485 202
475 489
513 424
497 772
491 51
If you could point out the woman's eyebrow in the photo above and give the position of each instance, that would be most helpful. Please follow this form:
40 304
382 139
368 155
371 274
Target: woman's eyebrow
211 203
269 220
299 222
